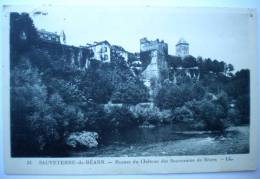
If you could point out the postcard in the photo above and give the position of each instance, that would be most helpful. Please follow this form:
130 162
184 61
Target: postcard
129 90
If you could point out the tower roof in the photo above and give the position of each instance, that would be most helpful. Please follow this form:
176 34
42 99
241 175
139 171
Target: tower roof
182 41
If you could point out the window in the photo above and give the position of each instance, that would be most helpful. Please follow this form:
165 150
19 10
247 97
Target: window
105 57
104 49
23 35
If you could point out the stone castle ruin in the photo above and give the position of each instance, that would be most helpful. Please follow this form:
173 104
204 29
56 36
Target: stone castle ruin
157 68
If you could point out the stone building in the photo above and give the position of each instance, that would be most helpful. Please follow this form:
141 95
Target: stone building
182 48
148 45
157 69
101 50
51 37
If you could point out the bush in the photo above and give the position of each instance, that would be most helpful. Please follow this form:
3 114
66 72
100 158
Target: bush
209 114
131 92
243 106
197 91
120 118
151 114
96 118
222 99
183 114
169 97
233 117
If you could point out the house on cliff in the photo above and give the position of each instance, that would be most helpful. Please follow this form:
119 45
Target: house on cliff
103 51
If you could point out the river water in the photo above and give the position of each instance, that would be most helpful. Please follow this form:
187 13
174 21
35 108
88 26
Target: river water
166 140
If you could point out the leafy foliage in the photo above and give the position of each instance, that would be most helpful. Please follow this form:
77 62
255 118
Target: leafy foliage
183 114
171 95
130 92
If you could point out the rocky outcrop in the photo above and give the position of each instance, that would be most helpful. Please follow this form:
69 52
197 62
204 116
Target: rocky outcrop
82 139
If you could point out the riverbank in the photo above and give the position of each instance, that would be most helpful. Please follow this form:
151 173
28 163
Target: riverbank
164 142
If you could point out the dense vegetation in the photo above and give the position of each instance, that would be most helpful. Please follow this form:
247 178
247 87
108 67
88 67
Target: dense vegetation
52 97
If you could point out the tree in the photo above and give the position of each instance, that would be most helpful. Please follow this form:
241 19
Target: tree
174 61
217 66
211 115
183 114
168 97
229 68
132 57
197 91
243 106
238 88
96 83
31 117
131 92
189 62
240 83
120 118
223 101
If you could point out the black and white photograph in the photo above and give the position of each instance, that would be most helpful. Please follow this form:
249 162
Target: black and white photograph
129 82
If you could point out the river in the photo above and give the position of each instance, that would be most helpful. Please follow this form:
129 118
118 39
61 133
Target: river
166 140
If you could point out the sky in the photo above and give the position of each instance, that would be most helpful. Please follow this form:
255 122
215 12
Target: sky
223 36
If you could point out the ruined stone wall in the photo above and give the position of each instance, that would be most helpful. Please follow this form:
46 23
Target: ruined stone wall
76 56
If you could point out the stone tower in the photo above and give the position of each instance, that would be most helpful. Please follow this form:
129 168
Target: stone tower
182 48
157 68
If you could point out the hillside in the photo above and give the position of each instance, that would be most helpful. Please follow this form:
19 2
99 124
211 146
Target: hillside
57 90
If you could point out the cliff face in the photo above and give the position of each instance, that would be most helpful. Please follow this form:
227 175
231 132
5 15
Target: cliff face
77 57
